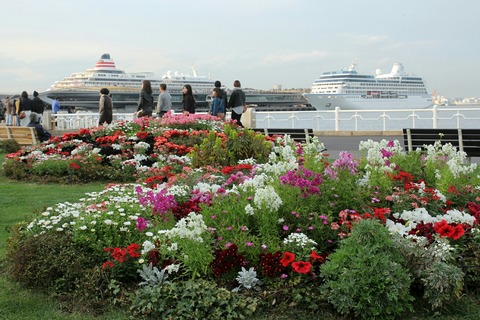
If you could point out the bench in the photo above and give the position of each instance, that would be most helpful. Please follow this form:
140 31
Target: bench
23 135
466 140
299 135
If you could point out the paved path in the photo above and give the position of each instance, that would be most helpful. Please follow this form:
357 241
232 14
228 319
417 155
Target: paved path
350 143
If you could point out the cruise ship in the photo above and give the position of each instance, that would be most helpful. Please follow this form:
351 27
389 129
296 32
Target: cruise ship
81 90
350 90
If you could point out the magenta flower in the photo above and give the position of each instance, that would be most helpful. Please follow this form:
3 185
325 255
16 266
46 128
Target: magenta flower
386 153
141 224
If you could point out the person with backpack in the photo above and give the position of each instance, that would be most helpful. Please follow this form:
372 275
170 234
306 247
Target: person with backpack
218 85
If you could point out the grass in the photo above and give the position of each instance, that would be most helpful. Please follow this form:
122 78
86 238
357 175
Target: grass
20 199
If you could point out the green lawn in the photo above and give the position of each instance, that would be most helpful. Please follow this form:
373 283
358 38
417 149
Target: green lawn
20 199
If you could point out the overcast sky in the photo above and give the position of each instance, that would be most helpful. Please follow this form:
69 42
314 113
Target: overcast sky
260 42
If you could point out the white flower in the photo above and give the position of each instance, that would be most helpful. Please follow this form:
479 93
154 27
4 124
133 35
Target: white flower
172 268
299 240
191 227
397 228
147 246
266 198
249 210
173 247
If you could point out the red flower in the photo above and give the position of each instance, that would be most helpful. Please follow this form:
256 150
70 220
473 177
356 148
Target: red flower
458 232
288 258
443 228
142 135
119 254
74 166
302 267
108 264
133 250
316 256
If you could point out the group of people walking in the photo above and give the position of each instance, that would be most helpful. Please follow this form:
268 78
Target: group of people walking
219 105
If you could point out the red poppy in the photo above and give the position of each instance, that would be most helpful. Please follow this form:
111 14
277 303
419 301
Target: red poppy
302 267
288 258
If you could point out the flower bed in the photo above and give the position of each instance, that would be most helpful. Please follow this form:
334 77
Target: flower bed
270 222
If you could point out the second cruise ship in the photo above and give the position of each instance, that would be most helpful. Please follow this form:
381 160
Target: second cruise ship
348 89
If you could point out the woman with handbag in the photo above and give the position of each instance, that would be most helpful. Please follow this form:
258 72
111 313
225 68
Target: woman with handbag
145 102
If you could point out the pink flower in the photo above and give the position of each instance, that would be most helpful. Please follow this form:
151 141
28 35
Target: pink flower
334 226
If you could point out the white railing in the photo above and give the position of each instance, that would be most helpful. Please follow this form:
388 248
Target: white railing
331 120
74 121
369 120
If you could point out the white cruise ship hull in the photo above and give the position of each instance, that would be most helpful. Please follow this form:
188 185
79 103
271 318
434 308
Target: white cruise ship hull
347 89
345 102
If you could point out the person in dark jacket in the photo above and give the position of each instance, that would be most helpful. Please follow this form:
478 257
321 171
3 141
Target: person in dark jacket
188 100
145 102
43 135
25 106
105 107
38 106
237 103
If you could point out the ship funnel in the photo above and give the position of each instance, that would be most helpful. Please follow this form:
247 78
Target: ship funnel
194 71
397 69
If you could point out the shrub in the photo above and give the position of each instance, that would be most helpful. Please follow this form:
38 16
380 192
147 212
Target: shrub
435 274
471 264
191 299
9 146
50 262
366 276
230 147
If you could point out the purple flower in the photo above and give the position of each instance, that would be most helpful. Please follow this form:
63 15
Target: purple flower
346 161
385 153
141 224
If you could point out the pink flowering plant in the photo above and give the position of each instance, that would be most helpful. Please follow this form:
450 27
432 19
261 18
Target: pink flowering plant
274 219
